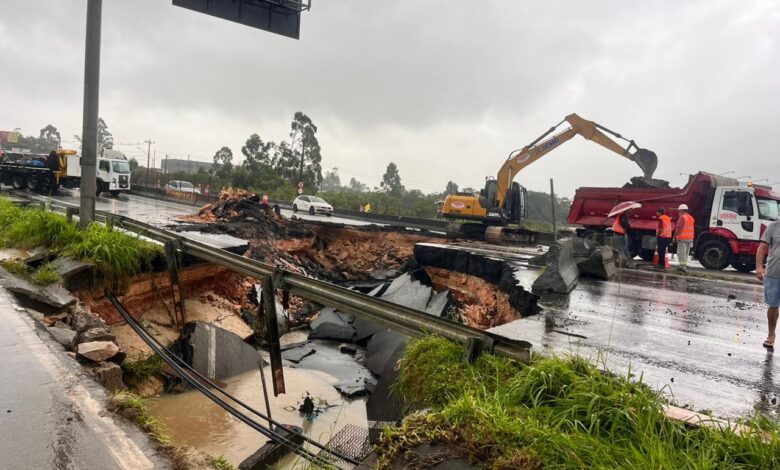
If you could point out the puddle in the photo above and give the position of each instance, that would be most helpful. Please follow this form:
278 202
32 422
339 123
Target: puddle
196 421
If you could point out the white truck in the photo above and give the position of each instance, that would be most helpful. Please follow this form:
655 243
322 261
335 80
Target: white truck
46 173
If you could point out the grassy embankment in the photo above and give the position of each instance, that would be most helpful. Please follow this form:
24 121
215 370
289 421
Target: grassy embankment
115 254
561 413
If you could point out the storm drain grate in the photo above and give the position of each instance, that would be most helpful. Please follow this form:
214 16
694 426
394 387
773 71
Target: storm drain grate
352 441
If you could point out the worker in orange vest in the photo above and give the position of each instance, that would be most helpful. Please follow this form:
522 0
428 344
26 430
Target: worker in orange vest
683 236
663 236
621 227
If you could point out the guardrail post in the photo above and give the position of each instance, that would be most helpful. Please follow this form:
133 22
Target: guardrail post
176 290
476 346
70 212
272 334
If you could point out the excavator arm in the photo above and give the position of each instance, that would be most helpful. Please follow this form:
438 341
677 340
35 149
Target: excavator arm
519 159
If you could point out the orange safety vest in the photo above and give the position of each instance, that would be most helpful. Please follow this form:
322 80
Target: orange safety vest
617 228
686 232
666 227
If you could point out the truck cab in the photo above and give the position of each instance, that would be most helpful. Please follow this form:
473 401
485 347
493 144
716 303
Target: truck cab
737 219
112 172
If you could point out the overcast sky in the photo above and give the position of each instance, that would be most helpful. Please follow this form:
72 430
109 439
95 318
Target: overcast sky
446 89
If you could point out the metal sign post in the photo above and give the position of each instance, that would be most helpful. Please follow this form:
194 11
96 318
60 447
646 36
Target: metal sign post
90 116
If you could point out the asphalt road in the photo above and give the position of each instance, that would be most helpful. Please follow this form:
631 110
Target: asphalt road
696 340
51 415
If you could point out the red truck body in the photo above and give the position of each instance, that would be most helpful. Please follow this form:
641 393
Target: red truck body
591 206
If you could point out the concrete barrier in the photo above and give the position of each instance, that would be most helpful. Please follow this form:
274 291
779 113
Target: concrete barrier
560 274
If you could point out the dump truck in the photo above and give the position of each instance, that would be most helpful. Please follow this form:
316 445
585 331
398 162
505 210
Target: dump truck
497 213
62 167
730 217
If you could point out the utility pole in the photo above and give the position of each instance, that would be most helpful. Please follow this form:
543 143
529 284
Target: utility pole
188 163
90 114
149 143
154 165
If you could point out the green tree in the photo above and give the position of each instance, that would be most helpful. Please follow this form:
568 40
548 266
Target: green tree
48 140
256 153
331 181
452 188
306 150
105 139
133 163
356 185
223 164
391 181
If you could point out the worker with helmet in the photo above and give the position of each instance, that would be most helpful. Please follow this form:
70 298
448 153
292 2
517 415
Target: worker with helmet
683 236
663 236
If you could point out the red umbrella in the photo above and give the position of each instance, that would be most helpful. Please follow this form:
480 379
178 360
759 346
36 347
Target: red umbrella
622 207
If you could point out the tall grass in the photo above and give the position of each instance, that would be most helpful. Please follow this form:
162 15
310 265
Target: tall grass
556 413
115 254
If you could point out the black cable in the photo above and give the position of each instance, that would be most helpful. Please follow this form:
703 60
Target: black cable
269 433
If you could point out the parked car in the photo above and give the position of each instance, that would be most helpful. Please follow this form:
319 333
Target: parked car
312 204
183 186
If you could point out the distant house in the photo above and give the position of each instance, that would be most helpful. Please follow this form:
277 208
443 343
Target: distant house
176 165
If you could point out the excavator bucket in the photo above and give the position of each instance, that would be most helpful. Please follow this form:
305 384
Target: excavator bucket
647 161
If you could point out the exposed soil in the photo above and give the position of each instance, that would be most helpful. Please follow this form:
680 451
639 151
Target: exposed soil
325 251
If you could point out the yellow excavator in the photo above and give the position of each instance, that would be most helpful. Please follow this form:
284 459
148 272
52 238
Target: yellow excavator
498 212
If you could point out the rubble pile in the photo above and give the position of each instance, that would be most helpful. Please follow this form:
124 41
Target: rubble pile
325 251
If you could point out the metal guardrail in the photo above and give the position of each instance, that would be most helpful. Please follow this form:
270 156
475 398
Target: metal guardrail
403 319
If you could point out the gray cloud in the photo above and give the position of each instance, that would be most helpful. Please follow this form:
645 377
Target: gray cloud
444 89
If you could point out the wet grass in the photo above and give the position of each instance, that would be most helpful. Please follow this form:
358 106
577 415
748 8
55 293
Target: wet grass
15 267
45 275
557 412
221 463
133 407
137 371
115 254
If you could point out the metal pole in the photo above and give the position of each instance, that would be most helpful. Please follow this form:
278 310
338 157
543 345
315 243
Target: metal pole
188 163
90 114
265 389
148 157
552 200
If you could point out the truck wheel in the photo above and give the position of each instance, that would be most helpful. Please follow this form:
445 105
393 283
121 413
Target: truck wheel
98 188
295 207
715 254
19 182
32 183
744 267
115 194
311 210
646 255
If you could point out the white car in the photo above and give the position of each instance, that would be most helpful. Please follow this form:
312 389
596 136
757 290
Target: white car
182 186
312 204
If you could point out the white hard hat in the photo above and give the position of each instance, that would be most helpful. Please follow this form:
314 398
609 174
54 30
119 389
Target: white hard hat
683 207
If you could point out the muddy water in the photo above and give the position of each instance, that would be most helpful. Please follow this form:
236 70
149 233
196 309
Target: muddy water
196 421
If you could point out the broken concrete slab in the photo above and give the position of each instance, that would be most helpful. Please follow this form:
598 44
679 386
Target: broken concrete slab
64 336
437 303
98 351
270 453
494 271
52 295
560 274
407 292
297 354
215 352
75 274
333 325
539 260
599 264
352 390
381 348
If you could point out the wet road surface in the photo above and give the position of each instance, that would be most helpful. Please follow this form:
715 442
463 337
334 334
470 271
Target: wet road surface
685 336
51 415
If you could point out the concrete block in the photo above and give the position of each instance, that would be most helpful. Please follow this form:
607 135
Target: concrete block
97 351
560 274
109 375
